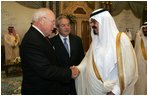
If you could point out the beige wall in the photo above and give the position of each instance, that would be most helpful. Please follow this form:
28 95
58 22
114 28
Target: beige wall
126 19
14 14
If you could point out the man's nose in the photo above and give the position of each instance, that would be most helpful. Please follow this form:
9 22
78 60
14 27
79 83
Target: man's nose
67 26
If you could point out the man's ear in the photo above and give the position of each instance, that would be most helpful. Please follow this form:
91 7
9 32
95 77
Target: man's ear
42 20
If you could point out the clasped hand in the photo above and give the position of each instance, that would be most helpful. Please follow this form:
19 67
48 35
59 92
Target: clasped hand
75 71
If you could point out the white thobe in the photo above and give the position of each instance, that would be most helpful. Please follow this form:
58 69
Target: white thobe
11 45
141 84
88 84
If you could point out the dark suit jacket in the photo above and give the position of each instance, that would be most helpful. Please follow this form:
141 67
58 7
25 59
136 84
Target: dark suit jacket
77 54
42 74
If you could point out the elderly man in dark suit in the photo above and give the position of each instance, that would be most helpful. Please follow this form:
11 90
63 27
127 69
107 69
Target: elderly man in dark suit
42 74
68 48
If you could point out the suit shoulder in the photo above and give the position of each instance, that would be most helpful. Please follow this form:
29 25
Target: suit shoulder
54 38
75 36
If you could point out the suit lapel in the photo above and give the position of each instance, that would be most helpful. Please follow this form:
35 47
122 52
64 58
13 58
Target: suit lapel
71 45
61 46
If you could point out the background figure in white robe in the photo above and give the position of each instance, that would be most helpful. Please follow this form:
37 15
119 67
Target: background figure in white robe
11 44
141 52
102 72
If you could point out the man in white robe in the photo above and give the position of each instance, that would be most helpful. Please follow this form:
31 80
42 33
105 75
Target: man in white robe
110 65
141 52
11 42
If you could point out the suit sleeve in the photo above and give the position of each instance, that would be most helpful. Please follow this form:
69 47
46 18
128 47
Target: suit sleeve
42 65
81 50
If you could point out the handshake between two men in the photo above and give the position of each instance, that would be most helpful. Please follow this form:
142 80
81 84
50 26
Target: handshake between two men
75 71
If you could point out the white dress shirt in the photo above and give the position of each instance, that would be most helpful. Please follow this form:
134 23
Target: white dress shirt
68 41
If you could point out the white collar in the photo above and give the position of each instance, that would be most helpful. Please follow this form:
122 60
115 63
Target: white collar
62 37
38 30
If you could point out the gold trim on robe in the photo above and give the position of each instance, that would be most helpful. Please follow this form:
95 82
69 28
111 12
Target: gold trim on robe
119 62
95 69
143 50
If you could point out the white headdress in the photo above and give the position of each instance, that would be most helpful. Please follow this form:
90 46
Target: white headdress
104 44
141 29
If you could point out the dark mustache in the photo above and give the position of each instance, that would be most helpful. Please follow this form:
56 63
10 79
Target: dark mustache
94 27
145 34
94 31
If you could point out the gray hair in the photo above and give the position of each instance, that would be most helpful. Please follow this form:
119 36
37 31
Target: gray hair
42 12
59 18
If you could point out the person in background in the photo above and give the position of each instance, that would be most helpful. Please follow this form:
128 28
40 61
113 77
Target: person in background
129 34
11 43
110 66
141 52
42 74
70 54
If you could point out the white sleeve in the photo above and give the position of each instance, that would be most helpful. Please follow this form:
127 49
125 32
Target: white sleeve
116 90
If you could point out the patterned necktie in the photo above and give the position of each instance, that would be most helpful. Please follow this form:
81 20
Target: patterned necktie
66 45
